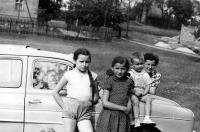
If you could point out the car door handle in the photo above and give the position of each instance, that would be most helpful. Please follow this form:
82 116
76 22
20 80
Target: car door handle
36 102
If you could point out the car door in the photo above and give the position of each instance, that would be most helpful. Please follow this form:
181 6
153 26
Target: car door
41 110
12 92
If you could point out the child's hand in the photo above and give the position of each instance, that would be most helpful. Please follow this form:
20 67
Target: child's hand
133 91
143 94
139 93
127 110
129 105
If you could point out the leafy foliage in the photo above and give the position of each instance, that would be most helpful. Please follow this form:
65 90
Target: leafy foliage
99 13
49 9
146 6
196 33
136 12
196 8
182 10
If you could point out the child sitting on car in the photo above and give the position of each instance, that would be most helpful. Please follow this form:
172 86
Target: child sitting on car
142 82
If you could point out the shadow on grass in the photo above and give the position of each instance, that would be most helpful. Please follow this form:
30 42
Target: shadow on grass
194 59
145 128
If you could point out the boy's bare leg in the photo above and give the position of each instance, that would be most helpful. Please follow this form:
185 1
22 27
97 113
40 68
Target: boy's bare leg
147 100
136 109
136 106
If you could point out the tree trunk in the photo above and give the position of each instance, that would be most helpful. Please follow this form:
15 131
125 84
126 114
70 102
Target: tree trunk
144 14
168 23
128 11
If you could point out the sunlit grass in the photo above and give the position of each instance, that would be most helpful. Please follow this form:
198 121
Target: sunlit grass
150 30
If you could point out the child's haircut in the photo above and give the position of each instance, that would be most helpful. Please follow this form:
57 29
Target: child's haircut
121 60
81 51
151 56
137 55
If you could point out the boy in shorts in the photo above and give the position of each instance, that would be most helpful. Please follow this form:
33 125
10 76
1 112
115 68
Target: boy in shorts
142 82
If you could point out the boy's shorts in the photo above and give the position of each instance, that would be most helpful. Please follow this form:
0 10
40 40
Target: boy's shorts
77 110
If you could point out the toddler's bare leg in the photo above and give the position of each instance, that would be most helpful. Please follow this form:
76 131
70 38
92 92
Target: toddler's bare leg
147 100
136 109
136 106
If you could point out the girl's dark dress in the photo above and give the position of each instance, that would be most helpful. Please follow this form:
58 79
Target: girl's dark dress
115 120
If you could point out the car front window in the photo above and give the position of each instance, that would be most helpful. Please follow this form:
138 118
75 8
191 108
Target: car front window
10 73
46 74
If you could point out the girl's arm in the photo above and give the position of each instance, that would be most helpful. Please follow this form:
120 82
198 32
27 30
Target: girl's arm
129 105
110 105
148 82
57 89
155 83
152 90
96 92
133 91
146 89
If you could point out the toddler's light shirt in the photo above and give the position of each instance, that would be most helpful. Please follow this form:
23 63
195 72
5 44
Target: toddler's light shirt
141 79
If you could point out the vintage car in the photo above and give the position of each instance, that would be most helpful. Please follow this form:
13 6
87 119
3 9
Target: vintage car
27 77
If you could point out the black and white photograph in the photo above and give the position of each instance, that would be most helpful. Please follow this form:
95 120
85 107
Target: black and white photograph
99 65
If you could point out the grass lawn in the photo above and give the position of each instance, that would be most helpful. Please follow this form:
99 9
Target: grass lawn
141 37
140 33
180 73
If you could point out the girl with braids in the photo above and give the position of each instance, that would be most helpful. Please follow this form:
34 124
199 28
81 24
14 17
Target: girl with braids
116 103
82 93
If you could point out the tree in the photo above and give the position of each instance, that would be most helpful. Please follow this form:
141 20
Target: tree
142 8
182 10
128 10
162 5
49 9
95 13
146 6
196 7
195 21
136 11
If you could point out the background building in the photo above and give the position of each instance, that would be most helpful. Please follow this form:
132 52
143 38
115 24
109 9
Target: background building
18 9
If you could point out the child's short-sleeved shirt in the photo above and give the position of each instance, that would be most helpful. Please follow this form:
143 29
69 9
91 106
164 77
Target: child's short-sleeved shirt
78 85
141 79
119 89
